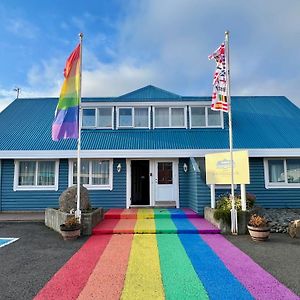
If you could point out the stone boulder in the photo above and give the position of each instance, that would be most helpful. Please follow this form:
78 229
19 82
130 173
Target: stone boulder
68 199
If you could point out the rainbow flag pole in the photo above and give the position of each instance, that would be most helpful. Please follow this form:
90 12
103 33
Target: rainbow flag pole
67 121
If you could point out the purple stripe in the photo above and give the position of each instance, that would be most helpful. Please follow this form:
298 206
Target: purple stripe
64 131
69 115
259 283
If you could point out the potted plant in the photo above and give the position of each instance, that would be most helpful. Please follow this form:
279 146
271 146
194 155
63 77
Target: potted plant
70 230
258 228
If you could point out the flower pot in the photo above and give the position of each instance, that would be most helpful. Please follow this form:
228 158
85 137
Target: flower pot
68 233
259 233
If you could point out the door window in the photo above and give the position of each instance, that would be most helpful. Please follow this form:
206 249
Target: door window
165 173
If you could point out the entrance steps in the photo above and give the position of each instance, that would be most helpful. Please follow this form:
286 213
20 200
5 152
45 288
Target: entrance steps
155 221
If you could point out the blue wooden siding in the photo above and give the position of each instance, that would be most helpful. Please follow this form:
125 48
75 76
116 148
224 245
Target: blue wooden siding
183 184
116 197
39 200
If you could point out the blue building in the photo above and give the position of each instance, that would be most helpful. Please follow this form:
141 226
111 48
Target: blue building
147 148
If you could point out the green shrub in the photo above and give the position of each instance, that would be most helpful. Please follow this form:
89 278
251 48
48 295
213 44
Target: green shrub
223 206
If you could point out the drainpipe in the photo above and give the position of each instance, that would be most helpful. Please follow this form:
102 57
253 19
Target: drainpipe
243 197
212 196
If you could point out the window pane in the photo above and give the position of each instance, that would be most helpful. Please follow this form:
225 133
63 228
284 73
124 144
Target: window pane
125 117
177 117
141 117
162 117
100 172
293 170
84 174
104 117
46 173
198 116
88 117
276 171
214 118
165 174
27 172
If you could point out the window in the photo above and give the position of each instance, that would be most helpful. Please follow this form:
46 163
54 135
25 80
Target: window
137 117
89 117
165 172
170 117
32 174
282 172
203 116
95 173
105 116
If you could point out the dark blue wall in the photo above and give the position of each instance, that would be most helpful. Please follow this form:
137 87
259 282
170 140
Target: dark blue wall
39 200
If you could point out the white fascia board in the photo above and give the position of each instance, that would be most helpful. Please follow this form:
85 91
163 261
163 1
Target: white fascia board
142 153
130 103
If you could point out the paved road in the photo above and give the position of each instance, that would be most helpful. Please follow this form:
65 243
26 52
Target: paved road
280 256
28 264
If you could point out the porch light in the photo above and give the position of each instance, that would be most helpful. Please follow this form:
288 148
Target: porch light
119 168
185 167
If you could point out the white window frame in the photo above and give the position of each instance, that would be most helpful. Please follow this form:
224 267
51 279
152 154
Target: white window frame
96 117
108 186
35 187
206 117
133 117
278 185
112 117
170 117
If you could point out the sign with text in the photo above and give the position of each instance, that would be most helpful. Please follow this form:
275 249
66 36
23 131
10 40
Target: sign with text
218 168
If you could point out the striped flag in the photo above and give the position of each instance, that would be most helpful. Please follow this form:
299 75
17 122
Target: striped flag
219 96
66 121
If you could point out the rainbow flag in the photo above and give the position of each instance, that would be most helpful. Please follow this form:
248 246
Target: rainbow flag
66 121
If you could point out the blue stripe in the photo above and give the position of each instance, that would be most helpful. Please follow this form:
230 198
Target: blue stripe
69 115
216 278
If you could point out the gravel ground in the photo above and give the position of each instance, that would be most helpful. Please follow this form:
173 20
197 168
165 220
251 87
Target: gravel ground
27 264
280 256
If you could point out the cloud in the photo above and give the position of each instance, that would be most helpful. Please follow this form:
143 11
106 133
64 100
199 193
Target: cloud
21 28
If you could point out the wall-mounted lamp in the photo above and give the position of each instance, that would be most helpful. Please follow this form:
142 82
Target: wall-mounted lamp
185 167
119 168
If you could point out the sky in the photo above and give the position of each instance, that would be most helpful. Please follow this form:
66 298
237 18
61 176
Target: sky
129 44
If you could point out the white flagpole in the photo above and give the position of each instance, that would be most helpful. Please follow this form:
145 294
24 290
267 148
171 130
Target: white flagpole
234 227
78 211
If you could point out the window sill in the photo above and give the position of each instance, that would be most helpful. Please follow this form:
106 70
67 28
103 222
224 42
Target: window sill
35 188
283 186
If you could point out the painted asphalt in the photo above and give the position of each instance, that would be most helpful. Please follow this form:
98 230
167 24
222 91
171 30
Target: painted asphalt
162 266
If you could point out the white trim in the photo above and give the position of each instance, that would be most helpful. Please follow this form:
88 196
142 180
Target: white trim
35 187
55 154
279 185
108 186
9 242
179 102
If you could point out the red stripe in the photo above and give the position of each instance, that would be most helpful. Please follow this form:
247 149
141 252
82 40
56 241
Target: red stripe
72 277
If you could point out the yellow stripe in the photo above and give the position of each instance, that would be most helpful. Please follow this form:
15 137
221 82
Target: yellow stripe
145 226
145 213
143 278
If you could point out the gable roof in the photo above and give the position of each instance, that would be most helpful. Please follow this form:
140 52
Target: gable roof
271 122
150 92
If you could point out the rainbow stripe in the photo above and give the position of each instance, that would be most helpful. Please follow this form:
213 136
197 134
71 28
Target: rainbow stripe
65 124
161 266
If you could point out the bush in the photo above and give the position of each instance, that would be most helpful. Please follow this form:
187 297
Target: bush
223 206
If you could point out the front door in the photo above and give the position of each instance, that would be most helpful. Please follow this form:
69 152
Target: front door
166 182
140 182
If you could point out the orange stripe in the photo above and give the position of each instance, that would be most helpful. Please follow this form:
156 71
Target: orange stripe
107 279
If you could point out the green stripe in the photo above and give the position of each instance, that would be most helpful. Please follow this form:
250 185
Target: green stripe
165 226
179 277
161 213
67 101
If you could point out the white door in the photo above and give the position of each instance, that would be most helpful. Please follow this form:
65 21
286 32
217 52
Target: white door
166 181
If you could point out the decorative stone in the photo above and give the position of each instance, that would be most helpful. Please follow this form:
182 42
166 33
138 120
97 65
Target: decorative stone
68 199
294 228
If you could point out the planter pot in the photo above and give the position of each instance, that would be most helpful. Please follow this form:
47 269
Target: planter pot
69 234
259 233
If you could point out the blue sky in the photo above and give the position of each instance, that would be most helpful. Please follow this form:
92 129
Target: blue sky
130 44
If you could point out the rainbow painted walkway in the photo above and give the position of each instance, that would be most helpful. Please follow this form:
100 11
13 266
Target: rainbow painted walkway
170 260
